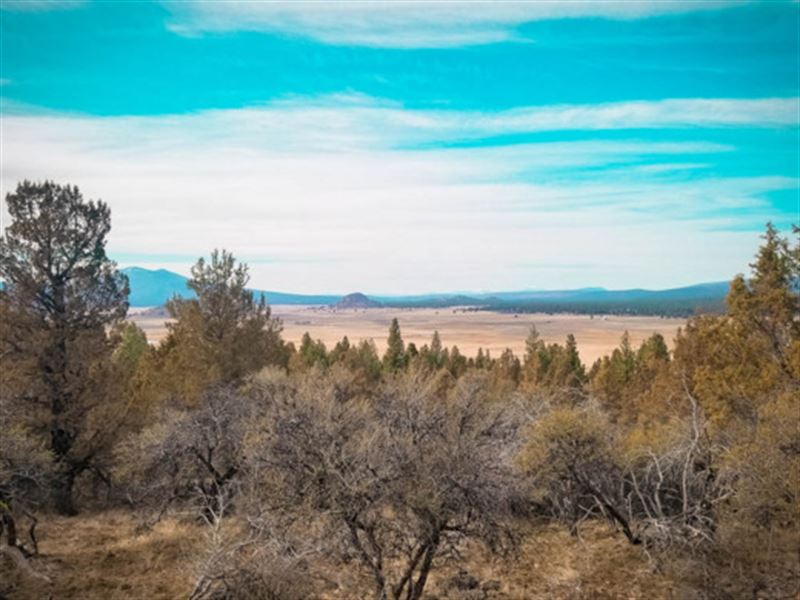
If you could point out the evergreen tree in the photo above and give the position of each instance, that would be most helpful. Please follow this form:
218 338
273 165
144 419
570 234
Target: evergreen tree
61 294
653 349
367 363
769 301
434 356
480 360
537 359
312 352
457 362
575 374
395 357
340 350
220 336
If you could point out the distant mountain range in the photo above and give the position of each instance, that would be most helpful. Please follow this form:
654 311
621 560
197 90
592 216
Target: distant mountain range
155 287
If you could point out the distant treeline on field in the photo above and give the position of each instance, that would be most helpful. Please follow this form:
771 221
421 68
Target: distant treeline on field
680 302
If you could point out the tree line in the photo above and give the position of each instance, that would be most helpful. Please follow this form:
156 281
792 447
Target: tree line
388 463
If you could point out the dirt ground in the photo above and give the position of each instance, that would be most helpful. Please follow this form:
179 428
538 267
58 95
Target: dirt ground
100 556
469 330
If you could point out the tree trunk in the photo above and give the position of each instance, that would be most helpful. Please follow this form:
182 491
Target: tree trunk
417 587
10 525
62 493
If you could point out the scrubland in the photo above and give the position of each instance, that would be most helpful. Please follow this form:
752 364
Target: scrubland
103 555
227 462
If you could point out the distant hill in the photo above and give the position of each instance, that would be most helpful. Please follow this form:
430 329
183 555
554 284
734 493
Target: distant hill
684 301
356 300
154 288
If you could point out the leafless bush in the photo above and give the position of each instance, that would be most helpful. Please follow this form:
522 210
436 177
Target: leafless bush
195 457
395 482
675 495
660 498
25 472
240 560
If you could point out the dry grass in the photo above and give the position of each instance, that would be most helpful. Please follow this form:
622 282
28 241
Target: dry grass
100 556
467 330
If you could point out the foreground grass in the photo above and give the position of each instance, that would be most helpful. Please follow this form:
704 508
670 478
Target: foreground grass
102 556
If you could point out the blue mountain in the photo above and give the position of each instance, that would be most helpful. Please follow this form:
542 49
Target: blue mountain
155 287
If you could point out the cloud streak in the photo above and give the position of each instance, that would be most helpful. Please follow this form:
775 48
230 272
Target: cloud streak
40 5
410 24
380 191
349 122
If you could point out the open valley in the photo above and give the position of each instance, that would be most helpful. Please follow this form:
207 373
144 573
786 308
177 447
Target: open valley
469 330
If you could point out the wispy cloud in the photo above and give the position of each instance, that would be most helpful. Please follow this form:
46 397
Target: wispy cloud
351 122
296 185
410 24
40 5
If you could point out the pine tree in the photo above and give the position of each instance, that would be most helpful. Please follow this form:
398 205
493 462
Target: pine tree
340 350
576 371
536 360
395 357
480 359
223 334
435 355
457 362
62 293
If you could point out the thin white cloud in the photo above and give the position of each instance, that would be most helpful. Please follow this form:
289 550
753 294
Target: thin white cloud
348 123
40 5
410 24
363 187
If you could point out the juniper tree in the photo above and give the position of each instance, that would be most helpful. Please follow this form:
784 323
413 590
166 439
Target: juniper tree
222 335
395 357
61 294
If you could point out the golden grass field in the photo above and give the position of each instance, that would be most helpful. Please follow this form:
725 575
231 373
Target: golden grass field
469 330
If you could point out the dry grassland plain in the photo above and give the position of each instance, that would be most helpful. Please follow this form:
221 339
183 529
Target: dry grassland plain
469 330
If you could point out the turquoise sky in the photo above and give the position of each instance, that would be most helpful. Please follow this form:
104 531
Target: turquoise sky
416 146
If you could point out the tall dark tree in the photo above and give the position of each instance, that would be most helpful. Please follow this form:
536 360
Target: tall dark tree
61 293
769 301
394 358
436 352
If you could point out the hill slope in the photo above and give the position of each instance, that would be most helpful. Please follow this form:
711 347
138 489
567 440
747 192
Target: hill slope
154 288
356 300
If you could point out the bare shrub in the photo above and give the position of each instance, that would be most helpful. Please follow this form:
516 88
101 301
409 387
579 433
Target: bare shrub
393 483
26 469
195 457
241 561
662 497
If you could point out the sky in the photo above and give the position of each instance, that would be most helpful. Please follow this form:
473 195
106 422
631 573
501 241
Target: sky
409 147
